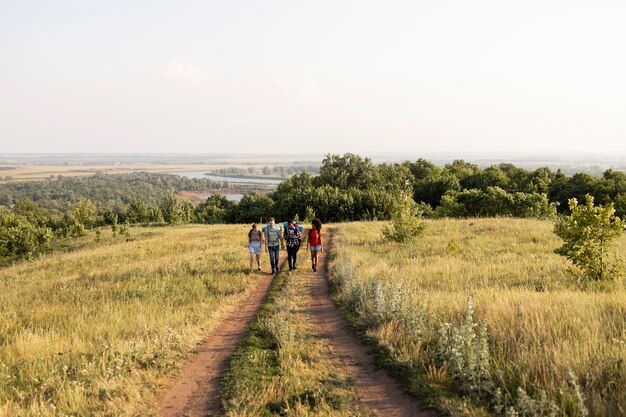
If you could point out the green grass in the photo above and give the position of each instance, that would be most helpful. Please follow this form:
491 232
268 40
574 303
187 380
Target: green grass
541 326
96 330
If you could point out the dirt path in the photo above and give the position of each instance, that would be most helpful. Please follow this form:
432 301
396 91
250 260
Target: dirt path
195 391
376 389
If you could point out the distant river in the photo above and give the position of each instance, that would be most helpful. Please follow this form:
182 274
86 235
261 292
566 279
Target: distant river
230 197
203 174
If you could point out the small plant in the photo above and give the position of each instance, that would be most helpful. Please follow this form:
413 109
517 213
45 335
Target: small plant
98 234
587 234
406 225
464 349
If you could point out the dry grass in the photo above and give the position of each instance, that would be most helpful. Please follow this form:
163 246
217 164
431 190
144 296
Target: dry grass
95 331
540 323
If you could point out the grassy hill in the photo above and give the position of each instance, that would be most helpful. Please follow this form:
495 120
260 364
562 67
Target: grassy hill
94 330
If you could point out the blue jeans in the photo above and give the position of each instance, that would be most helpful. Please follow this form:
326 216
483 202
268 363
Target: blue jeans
274 254
292 255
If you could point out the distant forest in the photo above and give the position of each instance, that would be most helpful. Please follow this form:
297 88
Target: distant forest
348 187
108 191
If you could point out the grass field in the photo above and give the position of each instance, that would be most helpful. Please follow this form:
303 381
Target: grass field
94 331
41 172
564 347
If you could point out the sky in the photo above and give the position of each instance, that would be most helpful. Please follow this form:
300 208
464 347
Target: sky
325 76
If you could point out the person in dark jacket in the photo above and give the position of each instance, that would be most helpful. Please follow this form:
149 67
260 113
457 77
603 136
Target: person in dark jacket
293 238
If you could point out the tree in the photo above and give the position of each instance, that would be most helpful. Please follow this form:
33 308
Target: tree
587 234
175 210
406 225
492 176
252 208
33 213
137 211
462 170
85 212
20 237
348 171
213 210
433 187
422 168
396 178
577 186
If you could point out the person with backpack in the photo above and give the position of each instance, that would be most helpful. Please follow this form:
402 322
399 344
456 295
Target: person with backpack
293 238
314 241
273 242
255 240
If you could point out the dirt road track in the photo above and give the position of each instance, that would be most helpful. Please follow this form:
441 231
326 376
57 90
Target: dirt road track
195 391
376 389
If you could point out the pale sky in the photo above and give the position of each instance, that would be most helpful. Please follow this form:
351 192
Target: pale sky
323 76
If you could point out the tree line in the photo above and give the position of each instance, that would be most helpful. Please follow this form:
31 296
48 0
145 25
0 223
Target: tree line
348 187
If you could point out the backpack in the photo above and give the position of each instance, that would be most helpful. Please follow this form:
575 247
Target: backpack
295 224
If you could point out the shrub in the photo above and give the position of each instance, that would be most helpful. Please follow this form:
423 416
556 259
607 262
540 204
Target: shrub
587 234
406 225
19 237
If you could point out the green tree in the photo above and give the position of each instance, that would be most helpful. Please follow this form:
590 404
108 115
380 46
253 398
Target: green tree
71 226
252 208
396 178
587 235
433 187
33 213
19 237
422 168
406 225
176 210
137 211
85 212
213 210
348 171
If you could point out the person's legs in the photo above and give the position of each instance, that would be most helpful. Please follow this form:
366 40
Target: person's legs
274 254
258 260
251 262
289 258
292 252
270 250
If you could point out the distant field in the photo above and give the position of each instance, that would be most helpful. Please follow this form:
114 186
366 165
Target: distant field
540 326
22 167
94 330
41 172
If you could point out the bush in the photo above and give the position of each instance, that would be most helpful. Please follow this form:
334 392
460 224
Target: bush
19 237
587 234
406 225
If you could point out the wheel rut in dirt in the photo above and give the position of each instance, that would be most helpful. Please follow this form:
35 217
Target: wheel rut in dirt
376 389
195 392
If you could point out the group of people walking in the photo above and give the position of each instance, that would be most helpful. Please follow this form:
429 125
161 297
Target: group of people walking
273 237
